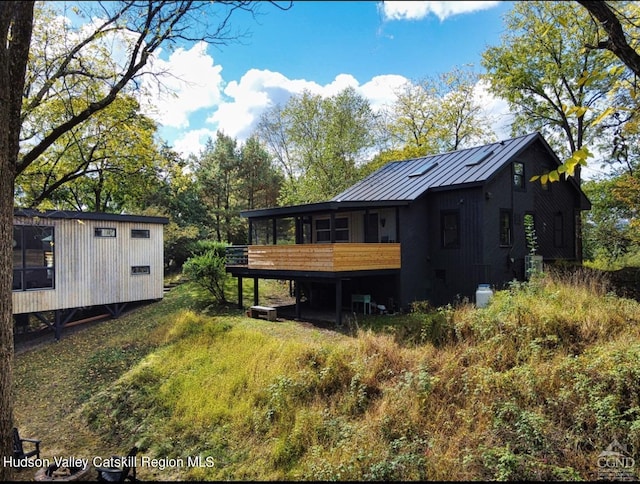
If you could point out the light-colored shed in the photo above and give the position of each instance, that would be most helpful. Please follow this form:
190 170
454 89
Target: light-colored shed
66 260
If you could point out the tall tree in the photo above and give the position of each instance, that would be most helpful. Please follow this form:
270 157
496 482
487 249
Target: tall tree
16 22
232 178
97 166
552 83
320 142
138 29
217 176
435 115
260 181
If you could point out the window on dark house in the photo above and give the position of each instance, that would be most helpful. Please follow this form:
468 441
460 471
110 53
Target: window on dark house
33 258
323 229
450 229
506 222
518 175
558 230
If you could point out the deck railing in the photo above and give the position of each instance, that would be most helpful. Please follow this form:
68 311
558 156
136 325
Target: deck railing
317 257
237 255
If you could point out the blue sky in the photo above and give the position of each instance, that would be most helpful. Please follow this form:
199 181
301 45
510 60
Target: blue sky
321 46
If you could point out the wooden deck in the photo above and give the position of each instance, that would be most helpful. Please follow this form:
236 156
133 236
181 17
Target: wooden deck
324 257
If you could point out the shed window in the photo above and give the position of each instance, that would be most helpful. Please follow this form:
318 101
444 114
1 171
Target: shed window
33 257
506 221
104 232
518 175
450 229
140 233
323 229
140 270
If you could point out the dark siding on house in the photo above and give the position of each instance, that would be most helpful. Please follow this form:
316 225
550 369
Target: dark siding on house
505 263
429 271
415 226
561 198
456 272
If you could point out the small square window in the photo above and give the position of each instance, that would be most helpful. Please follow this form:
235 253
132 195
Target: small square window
104 232
140 233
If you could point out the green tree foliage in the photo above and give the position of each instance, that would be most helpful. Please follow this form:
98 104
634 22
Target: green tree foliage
320 143
259 181
175 195
217 177
606 228
98 166
552 82
133 30
232 178
612 228
435 115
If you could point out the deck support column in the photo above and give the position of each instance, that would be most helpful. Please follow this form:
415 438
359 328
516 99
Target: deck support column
239 292
255 291
297 292
339 302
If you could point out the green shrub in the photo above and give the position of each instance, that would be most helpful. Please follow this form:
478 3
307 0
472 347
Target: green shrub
208 269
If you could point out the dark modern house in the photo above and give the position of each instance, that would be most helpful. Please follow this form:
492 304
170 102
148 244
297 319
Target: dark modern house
430 228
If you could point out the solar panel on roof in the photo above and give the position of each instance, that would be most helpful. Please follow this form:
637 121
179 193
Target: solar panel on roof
479 157
424 168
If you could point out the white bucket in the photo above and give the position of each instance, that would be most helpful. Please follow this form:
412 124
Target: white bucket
483 294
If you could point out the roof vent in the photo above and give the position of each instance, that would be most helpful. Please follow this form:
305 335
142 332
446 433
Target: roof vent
424 168
479 156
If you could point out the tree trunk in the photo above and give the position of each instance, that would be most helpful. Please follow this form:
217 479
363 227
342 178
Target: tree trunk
16 23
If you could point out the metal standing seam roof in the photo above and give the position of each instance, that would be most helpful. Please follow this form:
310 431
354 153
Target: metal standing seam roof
400 182
409 179
97 216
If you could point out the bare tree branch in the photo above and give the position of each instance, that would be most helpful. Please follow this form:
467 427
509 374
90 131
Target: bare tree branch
617 41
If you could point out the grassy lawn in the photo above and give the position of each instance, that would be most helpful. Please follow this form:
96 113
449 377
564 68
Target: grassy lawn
53 380
532 387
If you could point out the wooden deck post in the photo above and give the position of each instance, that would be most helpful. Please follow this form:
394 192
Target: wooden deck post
297 291
239 292
338 302
255 291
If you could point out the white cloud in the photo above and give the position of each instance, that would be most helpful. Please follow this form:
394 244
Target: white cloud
496 109
413 10
190 81
380 91
195 89
246 99
193 142
259 90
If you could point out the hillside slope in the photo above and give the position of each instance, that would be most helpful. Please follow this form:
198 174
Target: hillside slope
534 387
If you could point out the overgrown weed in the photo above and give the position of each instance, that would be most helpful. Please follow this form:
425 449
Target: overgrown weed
532 387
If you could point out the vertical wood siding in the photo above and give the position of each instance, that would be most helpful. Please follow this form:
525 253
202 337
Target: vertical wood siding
92 271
